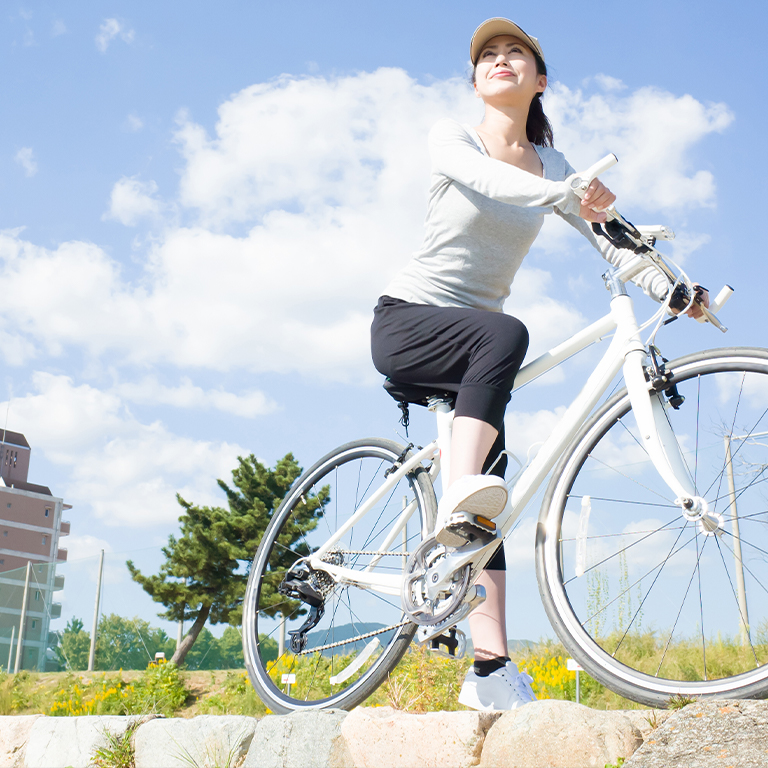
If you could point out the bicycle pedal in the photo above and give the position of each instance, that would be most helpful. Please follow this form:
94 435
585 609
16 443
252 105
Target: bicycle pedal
463 528
452 644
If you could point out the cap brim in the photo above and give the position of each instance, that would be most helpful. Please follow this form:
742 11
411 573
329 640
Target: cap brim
495 27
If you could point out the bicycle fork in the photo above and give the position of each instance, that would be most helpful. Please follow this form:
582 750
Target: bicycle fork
658 439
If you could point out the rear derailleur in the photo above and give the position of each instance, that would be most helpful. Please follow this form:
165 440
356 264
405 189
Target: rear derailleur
311 588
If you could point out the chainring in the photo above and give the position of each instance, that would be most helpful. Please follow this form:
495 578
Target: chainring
418 606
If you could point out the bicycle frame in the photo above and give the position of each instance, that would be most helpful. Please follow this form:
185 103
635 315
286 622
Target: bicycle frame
625 352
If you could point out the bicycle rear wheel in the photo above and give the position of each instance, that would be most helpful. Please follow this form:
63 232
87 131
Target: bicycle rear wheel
362 633
650 603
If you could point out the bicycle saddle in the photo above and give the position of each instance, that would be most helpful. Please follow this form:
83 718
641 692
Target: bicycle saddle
417 394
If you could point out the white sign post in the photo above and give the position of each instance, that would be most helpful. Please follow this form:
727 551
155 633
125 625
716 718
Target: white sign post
288 680
573 666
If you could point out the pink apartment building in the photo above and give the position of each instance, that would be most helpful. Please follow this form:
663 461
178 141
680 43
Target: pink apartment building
30 529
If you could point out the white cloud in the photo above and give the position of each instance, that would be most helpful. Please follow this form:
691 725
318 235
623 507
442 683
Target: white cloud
109 30
333 213
58 28
133 123
526 431
83 546
247 405
132 200
25 157
651 131
127 472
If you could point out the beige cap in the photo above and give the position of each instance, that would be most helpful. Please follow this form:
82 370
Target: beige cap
499 26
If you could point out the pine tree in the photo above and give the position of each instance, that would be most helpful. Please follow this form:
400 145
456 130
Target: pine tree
206 568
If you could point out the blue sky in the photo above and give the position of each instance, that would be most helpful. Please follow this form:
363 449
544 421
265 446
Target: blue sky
199 205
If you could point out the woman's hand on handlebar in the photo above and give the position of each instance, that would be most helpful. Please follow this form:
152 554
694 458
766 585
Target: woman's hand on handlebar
702 295
596 199
681 298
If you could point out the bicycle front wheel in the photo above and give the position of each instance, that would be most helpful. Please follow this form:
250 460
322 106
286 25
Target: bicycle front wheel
361 633
650 603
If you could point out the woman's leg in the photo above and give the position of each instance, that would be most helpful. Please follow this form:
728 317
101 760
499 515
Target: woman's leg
471 441
487 623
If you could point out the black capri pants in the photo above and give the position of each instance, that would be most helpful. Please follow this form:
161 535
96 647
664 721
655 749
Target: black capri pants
472 352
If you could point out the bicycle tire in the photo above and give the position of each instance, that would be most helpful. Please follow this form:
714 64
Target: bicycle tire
651 663
354 471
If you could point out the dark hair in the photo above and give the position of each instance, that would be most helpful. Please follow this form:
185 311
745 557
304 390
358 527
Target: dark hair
538 129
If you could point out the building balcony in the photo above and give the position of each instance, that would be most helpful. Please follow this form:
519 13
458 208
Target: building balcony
65 527
58 583
61 555
55 610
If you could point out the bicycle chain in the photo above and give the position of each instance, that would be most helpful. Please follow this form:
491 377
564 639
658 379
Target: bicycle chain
381 631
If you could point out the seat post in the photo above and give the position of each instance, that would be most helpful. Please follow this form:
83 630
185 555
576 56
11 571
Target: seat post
444 413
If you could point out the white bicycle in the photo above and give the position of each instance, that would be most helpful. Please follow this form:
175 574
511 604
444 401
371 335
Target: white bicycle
652 536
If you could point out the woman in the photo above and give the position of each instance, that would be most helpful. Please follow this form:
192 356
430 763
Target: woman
440 321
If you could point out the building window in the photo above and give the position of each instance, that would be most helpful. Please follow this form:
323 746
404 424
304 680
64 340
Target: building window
9 505
34 623
45 539
5 533
47 512
37 594
2 561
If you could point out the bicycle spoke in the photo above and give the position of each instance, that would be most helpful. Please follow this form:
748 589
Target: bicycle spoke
735 597
682 604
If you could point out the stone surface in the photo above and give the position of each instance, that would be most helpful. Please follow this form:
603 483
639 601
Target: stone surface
61 742
205 741
726 734
14 732
300 740
379 737
559 734
647 720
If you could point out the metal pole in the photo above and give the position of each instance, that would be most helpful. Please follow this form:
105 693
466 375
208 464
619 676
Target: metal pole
92 652
281 638
22 620
10 649
740 588
405 535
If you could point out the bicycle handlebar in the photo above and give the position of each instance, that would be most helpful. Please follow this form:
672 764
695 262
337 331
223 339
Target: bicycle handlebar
643 245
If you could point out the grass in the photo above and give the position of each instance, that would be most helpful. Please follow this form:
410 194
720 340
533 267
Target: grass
421 682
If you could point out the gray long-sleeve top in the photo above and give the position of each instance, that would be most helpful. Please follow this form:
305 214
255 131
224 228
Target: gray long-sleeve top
482 219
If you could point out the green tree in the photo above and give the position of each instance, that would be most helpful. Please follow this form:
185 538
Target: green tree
231 649
205 571
205 653
123 643
72 651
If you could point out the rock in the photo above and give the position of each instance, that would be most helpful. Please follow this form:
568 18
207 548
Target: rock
709 733
205 741
299 740
379 737
647 720
63 742
559 734
14 732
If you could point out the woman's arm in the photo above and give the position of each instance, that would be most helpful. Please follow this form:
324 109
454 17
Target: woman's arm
455 154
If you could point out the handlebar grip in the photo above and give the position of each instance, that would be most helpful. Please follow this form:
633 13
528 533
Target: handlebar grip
581 180
725 293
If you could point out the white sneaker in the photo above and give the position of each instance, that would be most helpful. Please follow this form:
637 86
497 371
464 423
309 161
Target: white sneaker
484 495
506 688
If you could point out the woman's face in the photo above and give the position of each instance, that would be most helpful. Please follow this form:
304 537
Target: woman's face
506 72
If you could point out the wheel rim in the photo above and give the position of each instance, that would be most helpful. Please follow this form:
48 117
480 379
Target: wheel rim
658 605
359 627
